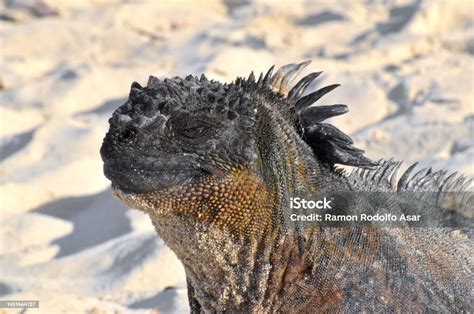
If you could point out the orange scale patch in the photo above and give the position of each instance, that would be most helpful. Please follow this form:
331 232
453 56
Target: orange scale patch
240 201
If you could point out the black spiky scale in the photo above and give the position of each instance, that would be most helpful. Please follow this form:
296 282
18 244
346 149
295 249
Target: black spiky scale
318 114
301 86
311 98
326 132
268 75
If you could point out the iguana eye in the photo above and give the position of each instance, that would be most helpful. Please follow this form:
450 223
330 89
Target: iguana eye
193 130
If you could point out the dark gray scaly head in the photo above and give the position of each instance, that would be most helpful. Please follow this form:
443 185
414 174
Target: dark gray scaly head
179 131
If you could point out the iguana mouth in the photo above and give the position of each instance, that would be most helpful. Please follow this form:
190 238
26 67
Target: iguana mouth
141 176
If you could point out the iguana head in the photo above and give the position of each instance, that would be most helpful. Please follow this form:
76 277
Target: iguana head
197 146
178 131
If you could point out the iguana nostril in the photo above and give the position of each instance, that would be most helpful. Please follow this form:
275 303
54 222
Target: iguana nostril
128 136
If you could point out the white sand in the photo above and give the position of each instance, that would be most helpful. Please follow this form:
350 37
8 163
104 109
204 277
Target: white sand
407 74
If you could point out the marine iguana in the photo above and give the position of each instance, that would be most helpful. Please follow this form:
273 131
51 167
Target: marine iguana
215 165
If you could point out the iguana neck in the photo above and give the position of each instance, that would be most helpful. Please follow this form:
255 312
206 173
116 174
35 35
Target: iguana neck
226 273
236 273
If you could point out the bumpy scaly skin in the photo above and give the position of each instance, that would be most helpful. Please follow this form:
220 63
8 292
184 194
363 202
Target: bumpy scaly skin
215 165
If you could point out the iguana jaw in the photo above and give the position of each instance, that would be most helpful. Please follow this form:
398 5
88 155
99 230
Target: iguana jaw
152 175
237 201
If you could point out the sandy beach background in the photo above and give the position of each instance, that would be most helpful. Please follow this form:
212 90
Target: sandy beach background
407 75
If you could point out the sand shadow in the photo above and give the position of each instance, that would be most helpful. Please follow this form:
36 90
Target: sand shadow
133 253
6 289
164 301
9 145
399 17
96 218
108 107
320 18
233 5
